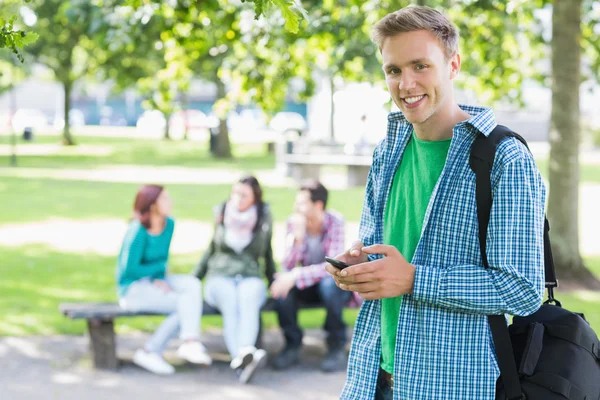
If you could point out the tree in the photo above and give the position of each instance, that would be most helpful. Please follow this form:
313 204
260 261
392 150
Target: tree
205 37
162 88
352 58
245 60
565 138
65 29
11 36
291 10
133 49
11 74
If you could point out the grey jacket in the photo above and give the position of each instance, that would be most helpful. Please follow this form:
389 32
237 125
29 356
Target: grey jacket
221 260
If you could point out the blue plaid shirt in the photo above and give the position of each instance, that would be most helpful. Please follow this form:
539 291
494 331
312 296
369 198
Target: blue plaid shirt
444 347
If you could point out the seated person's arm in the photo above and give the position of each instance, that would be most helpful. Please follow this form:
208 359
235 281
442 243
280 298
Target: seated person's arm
294 249
130 263
333 245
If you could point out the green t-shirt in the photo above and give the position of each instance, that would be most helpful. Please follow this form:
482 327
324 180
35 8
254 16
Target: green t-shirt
414 180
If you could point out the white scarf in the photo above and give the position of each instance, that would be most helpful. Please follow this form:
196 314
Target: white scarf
239 226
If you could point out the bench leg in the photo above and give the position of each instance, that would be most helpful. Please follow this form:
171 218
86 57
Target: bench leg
270 147
103 345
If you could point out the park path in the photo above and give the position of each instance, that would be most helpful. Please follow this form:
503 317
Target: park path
58 368
73 236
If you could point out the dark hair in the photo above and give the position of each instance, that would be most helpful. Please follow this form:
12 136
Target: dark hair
317 191
255 186
145 198
258 200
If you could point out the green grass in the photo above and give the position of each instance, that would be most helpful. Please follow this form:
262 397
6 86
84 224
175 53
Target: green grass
585 302
588 172
143 152
36 279
152 152
28 200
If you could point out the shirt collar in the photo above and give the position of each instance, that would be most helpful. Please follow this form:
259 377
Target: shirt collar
482 118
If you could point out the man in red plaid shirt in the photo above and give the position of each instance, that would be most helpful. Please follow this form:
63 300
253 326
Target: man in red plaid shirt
313 232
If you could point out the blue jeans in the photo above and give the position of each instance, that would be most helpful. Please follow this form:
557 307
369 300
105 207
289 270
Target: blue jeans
183 304
239 300
325 292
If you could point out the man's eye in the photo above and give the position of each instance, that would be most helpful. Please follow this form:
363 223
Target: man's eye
419 67
394 71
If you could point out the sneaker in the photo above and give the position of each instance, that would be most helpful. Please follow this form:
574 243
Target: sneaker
259 359
194 352
335 360
152 362
288 357
244 358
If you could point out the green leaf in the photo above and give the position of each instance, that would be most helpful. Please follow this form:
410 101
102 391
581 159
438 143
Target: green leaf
292 13
29 38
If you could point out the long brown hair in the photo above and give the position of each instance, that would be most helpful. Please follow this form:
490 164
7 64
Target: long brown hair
144 200
258 198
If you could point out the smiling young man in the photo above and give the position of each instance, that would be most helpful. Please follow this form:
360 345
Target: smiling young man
424 333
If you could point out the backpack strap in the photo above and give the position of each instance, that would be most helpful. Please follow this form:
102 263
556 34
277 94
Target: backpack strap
481 161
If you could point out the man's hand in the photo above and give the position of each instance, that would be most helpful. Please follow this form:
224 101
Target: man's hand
354 255
283 283
390 276
298 222
162 285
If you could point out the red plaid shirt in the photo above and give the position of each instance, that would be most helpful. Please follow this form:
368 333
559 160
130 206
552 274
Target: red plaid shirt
333 241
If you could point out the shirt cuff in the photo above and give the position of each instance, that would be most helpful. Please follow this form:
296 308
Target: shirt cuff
428 284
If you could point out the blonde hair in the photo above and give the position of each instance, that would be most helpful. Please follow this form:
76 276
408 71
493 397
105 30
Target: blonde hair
417 18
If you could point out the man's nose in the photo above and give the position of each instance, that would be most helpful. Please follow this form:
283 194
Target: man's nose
407 82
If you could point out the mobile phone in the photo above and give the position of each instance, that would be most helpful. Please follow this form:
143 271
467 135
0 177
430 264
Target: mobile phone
336 263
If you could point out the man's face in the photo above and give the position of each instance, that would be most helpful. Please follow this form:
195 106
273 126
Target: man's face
418 75
304 205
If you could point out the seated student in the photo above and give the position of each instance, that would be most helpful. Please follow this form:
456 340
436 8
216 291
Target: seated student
144 285
233 275
313 233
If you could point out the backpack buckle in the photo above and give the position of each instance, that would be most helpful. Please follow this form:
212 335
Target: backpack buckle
551 298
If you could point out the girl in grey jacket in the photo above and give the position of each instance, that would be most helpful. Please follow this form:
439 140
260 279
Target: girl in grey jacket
232 268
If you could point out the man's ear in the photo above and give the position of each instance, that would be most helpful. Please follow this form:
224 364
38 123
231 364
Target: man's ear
319 204
454 65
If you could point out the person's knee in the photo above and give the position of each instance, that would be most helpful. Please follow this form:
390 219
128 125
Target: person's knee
327 287
192 283
282 304
329 291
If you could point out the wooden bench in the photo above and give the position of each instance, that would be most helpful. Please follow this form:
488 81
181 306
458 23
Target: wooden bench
304 166
100 321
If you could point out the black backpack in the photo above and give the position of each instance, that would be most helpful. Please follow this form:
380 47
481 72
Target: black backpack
556 354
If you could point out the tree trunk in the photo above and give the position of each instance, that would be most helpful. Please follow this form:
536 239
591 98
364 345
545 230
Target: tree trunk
223 148
563 198
167 135
332 109
13 110
67 138
184 103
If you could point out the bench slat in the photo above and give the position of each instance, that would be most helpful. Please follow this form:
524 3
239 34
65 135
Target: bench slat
110 311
